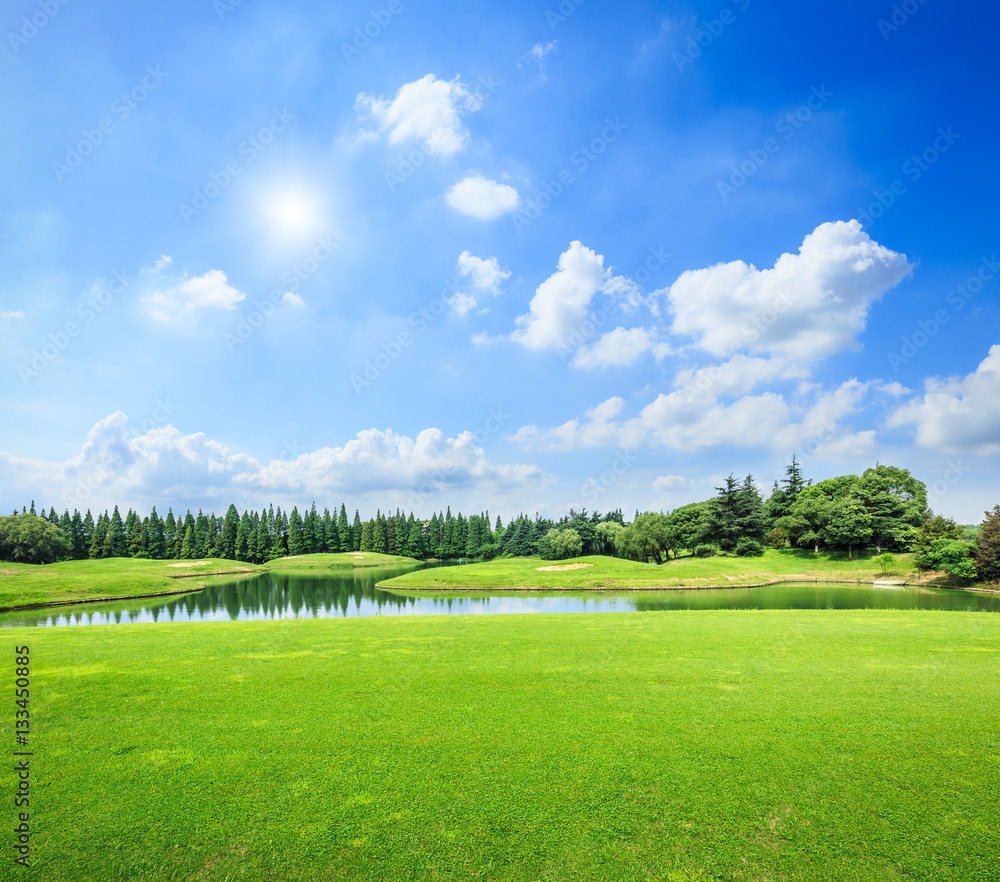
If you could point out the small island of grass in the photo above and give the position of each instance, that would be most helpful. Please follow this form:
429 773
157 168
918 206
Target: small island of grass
600 572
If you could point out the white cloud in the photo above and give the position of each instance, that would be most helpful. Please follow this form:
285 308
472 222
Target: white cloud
737 376
617 348
958 414
484 277
808 306
684 421
292 299
161 465
560 304
536 56
560 315
16 314
177 300
427 110
482 198
463 303
485 274
896 390
668 484
598 429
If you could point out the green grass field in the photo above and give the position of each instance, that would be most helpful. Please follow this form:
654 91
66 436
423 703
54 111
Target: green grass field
614 573
777 745
78 580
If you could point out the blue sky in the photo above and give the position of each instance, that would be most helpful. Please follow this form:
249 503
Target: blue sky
519 257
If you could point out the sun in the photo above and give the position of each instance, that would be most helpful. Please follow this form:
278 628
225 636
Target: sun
292 212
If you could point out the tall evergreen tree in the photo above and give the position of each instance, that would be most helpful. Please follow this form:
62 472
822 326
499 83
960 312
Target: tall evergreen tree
473 537
137 544
751 522
309 537
296 539
331 539
378 535
169 533
987 550
721 524
356 531
344 530
78 536
415 541
243 538
230 526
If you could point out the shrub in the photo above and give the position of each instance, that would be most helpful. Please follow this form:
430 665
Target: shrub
749 548
885 562
705 551
778 538
950 555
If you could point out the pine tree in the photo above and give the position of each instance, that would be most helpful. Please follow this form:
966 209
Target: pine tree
296 539
137 544
344 530
132 522
243 538
414 543
309 531
331 539
793 482
390 535
366 536
213 536
751 522
987 551
169 534
277 548
97 537
187 545
66 525
230 525
79 535
473 538
201 540
721 524
356 531
115 539
88 532
155 544
378 534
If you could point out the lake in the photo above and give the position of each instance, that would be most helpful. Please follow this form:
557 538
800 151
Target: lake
352 593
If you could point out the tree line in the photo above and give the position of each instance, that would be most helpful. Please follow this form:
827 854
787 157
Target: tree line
885 508
258 537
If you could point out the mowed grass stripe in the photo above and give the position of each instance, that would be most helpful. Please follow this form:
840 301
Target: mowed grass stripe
688 745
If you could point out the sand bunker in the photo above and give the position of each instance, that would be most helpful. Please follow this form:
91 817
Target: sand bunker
578 566
189 563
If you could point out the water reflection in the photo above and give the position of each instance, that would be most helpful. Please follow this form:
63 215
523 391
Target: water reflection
353 593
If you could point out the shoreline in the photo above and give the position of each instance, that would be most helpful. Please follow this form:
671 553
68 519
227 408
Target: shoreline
382 586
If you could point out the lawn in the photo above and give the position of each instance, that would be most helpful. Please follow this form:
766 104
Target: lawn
772 745
611 572
79 580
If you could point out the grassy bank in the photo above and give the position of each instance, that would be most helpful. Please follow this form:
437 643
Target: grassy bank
780 745
79 580
599 572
